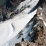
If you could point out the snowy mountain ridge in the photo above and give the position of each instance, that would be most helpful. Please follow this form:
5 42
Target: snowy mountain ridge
10 28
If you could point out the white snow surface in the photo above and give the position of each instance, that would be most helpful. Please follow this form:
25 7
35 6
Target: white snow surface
10 28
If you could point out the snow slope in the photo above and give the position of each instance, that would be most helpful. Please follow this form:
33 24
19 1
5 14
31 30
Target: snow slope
16 27
10 28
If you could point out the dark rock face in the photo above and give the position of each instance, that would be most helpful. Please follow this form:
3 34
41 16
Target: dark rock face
18 44
8 4
26 43
39 32
7 8
35 20
1 17
13 3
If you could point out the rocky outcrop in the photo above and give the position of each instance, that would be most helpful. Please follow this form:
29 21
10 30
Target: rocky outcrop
26 43
39 29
